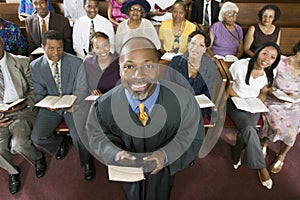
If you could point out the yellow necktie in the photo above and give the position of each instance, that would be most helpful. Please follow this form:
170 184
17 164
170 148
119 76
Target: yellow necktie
143 117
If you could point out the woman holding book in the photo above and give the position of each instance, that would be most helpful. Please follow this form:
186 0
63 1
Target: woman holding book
252 78
282 123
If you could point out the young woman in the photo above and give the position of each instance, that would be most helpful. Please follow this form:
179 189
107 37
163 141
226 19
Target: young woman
252 79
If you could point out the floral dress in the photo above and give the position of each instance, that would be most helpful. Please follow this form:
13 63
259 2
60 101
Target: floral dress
283 121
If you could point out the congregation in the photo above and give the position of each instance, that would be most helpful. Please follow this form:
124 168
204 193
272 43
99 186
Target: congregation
60 47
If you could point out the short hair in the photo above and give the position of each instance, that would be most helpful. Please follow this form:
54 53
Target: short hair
140 38
269 7
181 3
97 35
296 48
84 1
227 6
207 39
51 35
269 70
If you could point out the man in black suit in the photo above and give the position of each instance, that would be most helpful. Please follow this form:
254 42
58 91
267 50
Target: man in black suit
44 20
54 74
145 122
198 12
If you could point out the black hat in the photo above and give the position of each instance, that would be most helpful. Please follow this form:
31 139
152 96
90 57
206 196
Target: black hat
130 3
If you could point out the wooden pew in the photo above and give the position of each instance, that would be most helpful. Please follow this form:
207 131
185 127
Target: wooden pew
290 15
9 11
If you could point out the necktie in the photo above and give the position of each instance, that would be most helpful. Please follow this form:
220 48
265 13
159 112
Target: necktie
56 77
206 17
92 31
143 117
1 85
44 28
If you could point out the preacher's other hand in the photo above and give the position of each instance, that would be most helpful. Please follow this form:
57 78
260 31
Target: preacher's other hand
124 155
159 158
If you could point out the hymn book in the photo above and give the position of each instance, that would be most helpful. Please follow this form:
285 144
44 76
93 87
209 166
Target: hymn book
279 94
125 174
204 101
55 102
252 105
5 107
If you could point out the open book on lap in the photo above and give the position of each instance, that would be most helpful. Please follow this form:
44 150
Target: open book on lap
55 102
252 105
279 94
204 101
5 107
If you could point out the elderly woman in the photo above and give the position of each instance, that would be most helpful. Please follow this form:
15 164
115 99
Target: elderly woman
282 123
252 78
136 25
226 35
173 33
102 69
264 31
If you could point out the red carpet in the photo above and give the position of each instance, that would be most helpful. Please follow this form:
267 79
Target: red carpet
210 178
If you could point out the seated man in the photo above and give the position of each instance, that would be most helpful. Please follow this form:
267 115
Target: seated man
73 10
16 123
54 74
43 20
205 12
146 122
85 27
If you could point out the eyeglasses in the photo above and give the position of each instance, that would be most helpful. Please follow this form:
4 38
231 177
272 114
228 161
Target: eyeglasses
132 9
231 14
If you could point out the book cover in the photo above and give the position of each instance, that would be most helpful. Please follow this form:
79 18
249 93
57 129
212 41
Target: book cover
125 174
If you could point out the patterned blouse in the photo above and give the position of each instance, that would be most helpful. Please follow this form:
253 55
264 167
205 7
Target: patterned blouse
14 40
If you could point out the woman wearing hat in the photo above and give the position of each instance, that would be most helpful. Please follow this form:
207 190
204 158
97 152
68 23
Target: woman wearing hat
136 25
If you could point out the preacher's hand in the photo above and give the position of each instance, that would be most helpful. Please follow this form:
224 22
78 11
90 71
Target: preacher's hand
159 158
124 155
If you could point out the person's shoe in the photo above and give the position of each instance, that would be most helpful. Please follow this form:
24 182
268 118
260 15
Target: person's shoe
268 183
64 148
89 170
277 165
14 182
40 167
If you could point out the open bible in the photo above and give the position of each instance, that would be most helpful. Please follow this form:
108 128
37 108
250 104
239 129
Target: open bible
204 101
55 102
5 107
252 105
279 94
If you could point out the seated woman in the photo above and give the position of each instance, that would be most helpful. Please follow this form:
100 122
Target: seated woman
14 40
26 9
252 79
226 35
114 11
136 25
173 33
264 31
102 69
196 67
282 123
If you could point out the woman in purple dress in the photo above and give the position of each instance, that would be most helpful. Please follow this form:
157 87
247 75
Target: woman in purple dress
282 123
102 68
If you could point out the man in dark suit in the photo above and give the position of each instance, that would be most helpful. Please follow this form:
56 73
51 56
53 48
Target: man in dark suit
44 20
198 12
145 122
16 123
54 74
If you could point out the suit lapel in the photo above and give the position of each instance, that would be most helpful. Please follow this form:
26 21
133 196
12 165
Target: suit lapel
37 30
47 74
14 74
65 75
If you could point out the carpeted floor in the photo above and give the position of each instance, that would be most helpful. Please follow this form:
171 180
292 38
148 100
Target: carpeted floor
210 178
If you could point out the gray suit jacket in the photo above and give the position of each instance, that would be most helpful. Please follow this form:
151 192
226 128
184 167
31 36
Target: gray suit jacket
43 81
18 67
56 22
